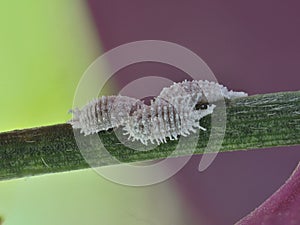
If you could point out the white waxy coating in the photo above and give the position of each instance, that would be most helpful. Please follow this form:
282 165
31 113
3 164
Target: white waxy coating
103 113
176 111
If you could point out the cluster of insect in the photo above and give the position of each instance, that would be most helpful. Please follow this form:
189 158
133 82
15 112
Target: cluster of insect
175 111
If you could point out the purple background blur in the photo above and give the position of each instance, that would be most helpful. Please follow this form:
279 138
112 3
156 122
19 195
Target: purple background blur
250 45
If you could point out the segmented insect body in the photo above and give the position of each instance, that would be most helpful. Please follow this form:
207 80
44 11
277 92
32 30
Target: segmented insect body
104 113
188 90
186 95
162 120
154 122
199 90
176 111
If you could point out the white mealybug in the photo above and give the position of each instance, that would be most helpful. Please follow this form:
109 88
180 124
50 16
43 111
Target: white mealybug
103 113
176 111
211 91
163 120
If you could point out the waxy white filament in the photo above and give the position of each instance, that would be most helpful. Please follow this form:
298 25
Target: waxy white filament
176 111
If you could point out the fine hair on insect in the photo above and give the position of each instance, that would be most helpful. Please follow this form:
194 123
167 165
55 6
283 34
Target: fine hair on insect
176 111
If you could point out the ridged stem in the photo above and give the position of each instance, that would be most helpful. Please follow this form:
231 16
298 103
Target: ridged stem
253 122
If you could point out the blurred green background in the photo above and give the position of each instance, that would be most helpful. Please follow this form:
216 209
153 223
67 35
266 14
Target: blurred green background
45 46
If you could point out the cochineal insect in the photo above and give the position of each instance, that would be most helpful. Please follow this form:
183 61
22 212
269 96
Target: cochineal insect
175 111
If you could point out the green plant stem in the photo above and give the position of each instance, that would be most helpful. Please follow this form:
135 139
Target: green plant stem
253 122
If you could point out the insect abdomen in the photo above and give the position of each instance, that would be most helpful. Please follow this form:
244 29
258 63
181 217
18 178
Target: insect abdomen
103 113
